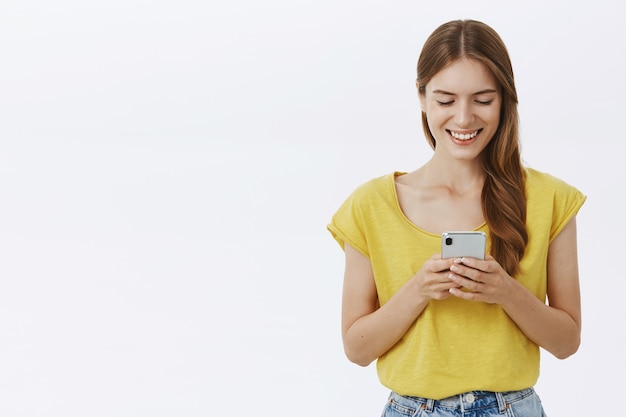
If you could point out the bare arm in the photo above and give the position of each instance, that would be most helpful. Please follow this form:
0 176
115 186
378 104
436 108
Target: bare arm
369 330
555 327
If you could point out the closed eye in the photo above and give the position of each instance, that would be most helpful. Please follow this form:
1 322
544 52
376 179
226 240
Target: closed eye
485 103
445 103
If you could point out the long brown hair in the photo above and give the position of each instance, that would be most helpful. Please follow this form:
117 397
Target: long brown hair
503 194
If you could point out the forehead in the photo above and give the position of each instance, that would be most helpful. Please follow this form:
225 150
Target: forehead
463 76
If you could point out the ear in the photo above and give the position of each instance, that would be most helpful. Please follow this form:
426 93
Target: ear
422 97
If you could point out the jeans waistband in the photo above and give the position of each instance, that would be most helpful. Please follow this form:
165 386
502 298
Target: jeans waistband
471 400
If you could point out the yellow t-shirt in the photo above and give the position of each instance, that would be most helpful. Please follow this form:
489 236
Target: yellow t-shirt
455 345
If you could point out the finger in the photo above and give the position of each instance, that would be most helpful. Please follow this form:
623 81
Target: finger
449 283
486 265
467 272
467 261
440 265
466 295
470 284
441 293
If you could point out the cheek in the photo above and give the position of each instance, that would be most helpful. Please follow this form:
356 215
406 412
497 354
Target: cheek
435 123
436 114
495 114
492 117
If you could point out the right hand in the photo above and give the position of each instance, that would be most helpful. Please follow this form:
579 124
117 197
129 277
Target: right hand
432 281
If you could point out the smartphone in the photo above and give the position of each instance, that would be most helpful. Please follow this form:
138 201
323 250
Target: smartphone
459 244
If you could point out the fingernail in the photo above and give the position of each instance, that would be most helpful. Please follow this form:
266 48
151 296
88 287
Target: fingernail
454 268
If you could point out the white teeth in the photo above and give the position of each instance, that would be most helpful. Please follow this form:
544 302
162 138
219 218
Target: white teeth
465 136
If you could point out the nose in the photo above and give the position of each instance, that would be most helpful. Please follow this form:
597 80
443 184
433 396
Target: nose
465 115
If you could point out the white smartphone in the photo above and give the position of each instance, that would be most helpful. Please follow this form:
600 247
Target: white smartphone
458 244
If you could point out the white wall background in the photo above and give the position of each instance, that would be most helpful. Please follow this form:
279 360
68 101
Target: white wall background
167 170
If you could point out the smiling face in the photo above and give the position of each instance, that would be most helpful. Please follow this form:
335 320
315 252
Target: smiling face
462 104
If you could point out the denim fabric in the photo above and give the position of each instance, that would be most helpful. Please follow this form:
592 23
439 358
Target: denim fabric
524 403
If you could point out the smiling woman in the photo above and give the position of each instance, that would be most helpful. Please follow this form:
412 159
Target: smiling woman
416 312
462 102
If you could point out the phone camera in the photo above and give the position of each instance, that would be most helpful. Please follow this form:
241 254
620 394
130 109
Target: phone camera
448 241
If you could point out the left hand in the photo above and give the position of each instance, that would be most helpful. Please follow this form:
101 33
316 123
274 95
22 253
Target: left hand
484 280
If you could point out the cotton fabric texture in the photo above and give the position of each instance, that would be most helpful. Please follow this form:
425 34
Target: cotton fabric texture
455 345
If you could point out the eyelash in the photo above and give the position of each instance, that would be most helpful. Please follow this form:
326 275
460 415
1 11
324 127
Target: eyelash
449 103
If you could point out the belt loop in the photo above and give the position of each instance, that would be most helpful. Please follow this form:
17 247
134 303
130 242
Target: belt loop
430 405
501 402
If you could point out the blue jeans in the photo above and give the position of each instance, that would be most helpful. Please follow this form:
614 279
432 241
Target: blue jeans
524 403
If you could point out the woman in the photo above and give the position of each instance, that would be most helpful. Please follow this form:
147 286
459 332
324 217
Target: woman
461 335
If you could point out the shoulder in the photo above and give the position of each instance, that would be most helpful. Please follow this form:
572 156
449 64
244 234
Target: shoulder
374 189
363 207
550 199
368 200
544 183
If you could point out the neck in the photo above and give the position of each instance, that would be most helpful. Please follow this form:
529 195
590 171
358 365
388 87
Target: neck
457 175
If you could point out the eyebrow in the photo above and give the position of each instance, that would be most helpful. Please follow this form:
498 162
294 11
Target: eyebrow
447 93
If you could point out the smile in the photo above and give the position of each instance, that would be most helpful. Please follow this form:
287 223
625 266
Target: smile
464 136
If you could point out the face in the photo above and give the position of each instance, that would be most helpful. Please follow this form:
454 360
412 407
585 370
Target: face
462 105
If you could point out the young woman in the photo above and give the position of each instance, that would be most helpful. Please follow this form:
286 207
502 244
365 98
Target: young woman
461 335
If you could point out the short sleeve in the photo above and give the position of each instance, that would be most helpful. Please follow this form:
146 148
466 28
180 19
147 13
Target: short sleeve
347 224
567 202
